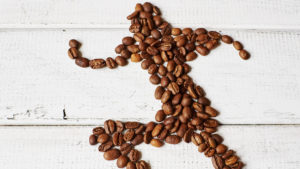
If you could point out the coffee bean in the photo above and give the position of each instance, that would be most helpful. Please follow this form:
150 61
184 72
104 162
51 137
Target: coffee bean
125 148
134 28
244 54
227 39
135 57
160 116
73 53
211 123
171 77
103 138
227 154
202 39
173 139
146 63
212 142
150 126
97 63
197 139
93 140
132 125
128 41
164 81
176 99
122 161
74 43
174 88
111 63
187 31
176 31
133 48
130 165
187 112
156 10
98 130
138 139
134 155
82 62
154 79
191 56
139 7
140 129
186 100
178 70
217 138
188 134
129 135
119 48
217 162
209 152
156 143
159 92
118 139
231 160
121 61
167 108
155 34
152 69
202 50
120 126
132 15
214 35
192 92
237 45
105 146
147 7
163 134
221 149
142 165
125 54
157 129
109 126
112 154
204 101
152 50
202 147
196 121
211 111
211 44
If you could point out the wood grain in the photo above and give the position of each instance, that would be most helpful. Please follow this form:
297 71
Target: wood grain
247 14
273 147
40 81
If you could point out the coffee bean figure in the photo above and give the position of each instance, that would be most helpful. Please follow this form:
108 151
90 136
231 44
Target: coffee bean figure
186 113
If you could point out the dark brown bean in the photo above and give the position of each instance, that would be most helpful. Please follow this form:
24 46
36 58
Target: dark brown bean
164 81
138 139
227 39
244 54
156 143
111 63
125 148
221 149
152 69
134 155
173 139
82 62
140 129
121 61
199 31
154 79
142 165
73 53
98 130
191 56
109 126
103 138
118 139
173 87
74 43
128 41
197 139
120 126
122 161
132 125
106 146
237 45
130 165
157 129
97 63
112 154
160 116
93 140
188 135
147 137
159 91
176 31
211 111
187 31
217 162
231 160
168 108
146 63
202 50
214 35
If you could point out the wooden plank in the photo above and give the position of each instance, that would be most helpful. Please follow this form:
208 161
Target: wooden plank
39 81
273 147
247 14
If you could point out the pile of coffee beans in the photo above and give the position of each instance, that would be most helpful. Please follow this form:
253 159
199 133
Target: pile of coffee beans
186 114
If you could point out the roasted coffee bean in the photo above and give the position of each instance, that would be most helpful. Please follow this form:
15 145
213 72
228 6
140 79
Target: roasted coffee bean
211 111
177 111
176 99
205 135
187 31
157 129
132 125
121 61
160 116
139 37
163 134
166 96
178 70
125 53
237 45
191 56
74 43
197 139
209 152
214 35
157 20
200 92
171 77
147 7
202 50
143 46
152 69
147 137
118 139
122 161
142 165
155 34
103 138
174 88
199 31
217 162
109 126
106 146
202 39
134 155
133 48
82 62
111 63
130 165
152 50
140 129
187 112
162 70
125 148
119 48
187 135
211 123
217 138
221 149
97 63
176 127
93 140
132 15
169 120
168 108
186 100
231 160
227 154
134 28
150 126
196 121
129 135
244 54
198 107
159 91
176 31
202 147
204 101
73 53
227 39
173 139
112 154
138 139
156 143
211 44
98 130
128 41
210 129
136 57
192 92
156 10
182 130
154 79
120 126
164 81
146 63
212 142
157 59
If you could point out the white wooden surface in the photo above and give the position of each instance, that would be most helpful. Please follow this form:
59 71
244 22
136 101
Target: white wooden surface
258 99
